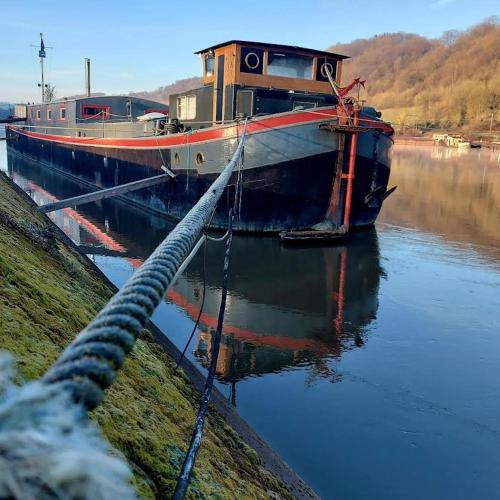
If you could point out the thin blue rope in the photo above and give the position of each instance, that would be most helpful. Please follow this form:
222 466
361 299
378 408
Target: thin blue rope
189 461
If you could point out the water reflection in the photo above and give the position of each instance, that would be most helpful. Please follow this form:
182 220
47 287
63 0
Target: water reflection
118 228
286 306
450 192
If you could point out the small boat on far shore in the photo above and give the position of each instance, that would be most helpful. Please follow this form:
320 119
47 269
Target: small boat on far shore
451 140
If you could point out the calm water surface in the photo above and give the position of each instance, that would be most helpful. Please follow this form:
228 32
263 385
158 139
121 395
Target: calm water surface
372 368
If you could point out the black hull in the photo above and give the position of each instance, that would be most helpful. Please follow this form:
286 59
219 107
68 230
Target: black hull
291 194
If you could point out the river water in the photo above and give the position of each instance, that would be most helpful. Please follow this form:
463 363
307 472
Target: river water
372 368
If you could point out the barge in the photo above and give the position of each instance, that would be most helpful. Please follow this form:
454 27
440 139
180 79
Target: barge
301 127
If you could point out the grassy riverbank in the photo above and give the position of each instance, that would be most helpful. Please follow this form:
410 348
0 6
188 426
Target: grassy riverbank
48 293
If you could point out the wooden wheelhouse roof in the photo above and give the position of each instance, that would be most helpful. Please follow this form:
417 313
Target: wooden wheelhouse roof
291 48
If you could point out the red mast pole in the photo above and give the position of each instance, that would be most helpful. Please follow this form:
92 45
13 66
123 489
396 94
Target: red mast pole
350 174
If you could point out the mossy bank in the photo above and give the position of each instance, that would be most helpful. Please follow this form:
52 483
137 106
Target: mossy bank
48 293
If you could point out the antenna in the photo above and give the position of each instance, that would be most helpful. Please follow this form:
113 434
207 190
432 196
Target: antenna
42 55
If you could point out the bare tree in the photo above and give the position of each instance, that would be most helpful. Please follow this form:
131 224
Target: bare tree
450 37
50 92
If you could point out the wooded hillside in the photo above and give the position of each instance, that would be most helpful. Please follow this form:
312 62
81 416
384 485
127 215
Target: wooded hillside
161 94
453 81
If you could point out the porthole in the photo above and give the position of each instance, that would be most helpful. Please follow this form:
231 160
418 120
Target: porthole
252 60
177 159
199 159
324 67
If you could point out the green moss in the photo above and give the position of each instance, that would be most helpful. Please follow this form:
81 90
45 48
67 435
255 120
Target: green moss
48 293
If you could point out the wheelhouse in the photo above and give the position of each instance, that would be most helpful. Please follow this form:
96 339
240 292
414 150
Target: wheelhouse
251 78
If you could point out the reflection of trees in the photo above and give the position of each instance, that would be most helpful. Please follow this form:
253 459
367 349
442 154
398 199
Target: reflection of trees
451 193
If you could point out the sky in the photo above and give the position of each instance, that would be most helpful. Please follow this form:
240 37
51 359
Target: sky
141 45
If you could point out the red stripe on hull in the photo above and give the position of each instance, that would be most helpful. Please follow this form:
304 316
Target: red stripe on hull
246 335
198 136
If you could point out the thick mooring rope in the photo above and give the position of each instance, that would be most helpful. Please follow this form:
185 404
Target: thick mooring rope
89 365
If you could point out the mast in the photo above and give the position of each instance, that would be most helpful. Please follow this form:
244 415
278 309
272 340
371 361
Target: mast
42 55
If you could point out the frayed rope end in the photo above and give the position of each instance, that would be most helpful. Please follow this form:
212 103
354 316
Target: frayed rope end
49 448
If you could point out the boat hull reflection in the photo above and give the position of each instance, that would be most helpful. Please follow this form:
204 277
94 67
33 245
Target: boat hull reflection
286 307
274 319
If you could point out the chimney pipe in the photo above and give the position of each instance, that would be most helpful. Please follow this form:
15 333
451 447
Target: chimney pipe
87 77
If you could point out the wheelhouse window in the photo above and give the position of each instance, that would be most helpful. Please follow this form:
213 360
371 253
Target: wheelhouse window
252 60
325 66
289 65
186 107
209 65
49 114
95 111
62 114
38 114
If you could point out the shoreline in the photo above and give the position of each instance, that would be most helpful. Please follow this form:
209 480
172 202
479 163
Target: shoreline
427 140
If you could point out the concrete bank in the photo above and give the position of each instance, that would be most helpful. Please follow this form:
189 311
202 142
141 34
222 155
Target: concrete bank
48 293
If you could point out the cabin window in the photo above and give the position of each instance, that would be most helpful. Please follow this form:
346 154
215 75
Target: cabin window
49 114
298 105
325 64
62 114
95 111
289 65
252 60
186 107
38 114
209 65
